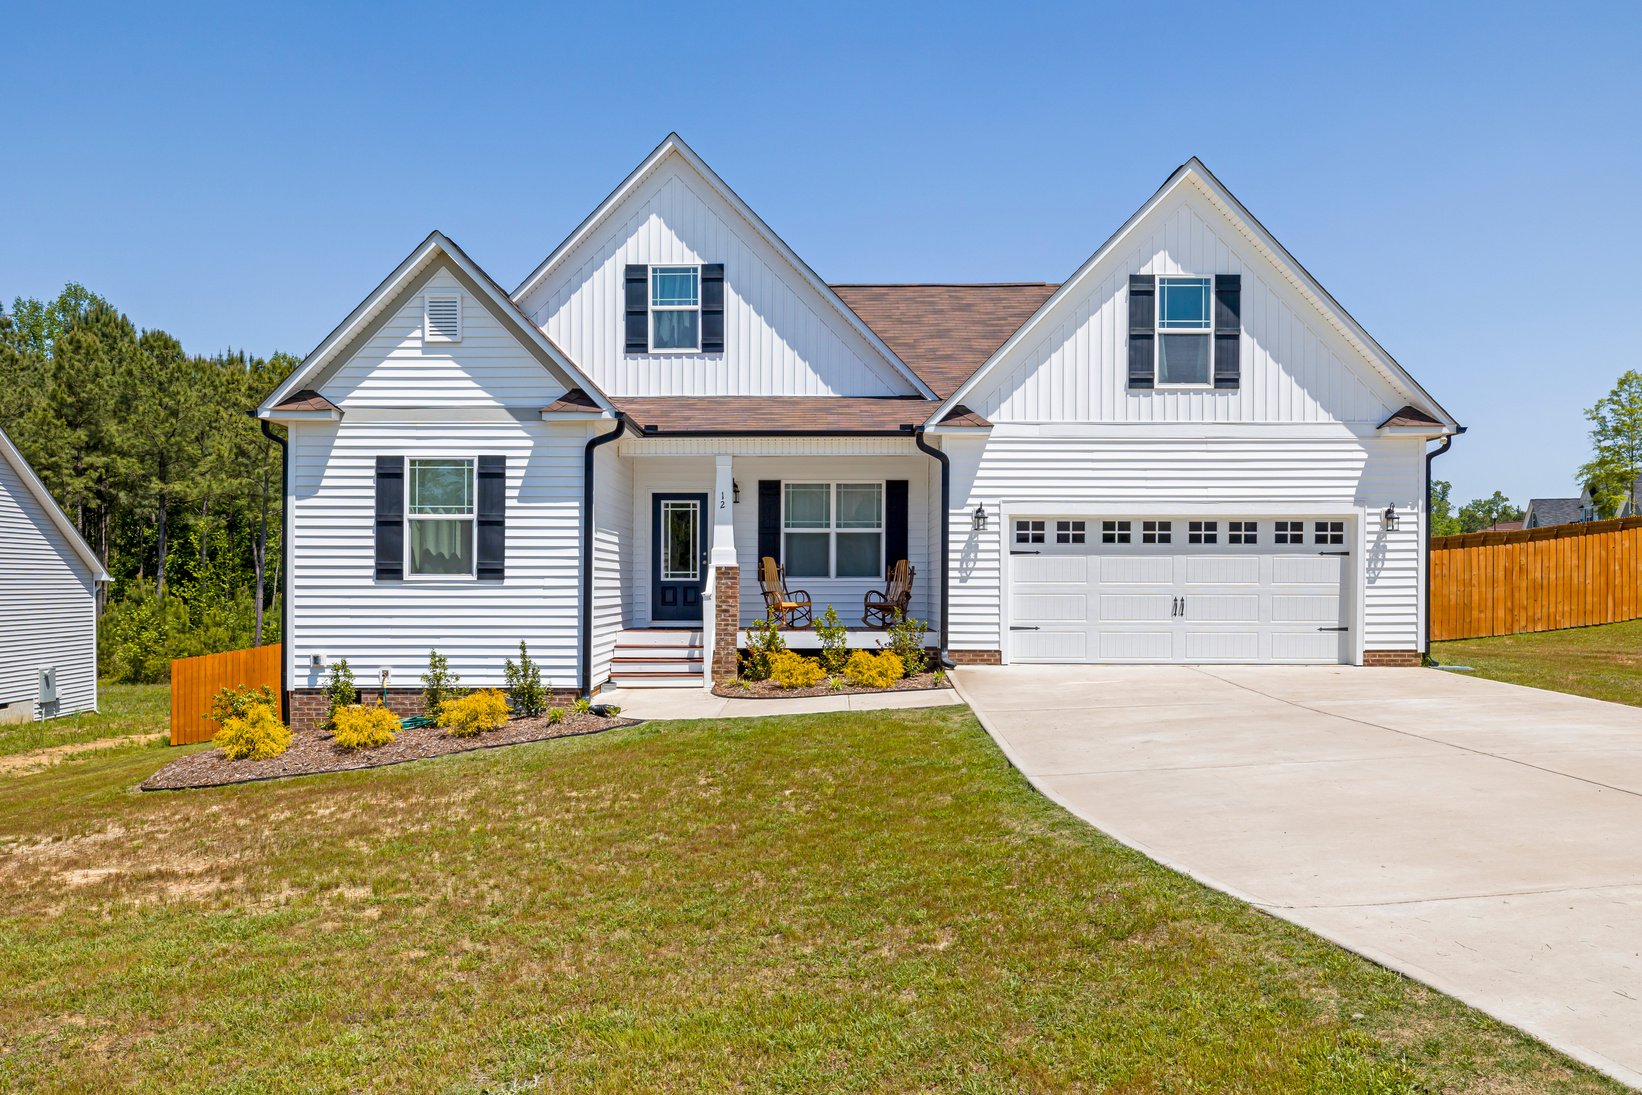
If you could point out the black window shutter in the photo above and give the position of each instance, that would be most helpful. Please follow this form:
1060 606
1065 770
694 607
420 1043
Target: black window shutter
390 518
712 308
1142 330
490 524
638 309
895 522
1228 327
769 518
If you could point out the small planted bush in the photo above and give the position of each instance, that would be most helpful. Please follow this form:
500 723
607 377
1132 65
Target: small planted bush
906 639
230 703
474 713
555 715
833 636
340 691
764 642
524 684
438 684
868 670
791 670
581 705
256 735
359 727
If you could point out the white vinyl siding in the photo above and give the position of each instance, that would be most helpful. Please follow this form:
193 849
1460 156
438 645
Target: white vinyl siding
47 606
487 368
1295 367
781 337
613 547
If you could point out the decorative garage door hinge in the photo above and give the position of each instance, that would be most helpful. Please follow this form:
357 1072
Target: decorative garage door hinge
1334 553
1334 629
1012 552
1022 627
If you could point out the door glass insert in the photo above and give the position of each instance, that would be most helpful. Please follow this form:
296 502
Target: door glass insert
679 558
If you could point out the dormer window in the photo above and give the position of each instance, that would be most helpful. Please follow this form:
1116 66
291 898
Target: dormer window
1185 326
675 308
442 317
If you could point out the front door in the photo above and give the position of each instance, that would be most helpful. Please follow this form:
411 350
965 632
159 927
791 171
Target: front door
678 557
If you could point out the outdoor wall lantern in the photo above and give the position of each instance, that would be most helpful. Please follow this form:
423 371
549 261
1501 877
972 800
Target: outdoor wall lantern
1389 519
735 492
978 521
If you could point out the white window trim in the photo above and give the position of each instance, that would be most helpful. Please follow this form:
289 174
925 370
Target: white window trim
1158 331
653 308
427 327
473 470
832 530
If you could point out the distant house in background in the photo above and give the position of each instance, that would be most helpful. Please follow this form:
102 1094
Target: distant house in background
48 599
1504 526
1558 511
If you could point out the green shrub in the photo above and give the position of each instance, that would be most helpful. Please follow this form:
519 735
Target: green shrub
906 639
231 703
359 727
834 637
256 735
438 684
524 684
555 715
940 677
581 705
879 670
474 713
764 641
339 690
789 670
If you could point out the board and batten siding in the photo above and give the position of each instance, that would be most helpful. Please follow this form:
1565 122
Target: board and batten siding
1020 471
781 336
48 615
486 368
340 610
1295 366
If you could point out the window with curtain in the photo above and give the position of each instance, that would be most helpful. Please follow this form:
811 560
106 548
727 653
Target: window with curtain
833 530
440 516
675 308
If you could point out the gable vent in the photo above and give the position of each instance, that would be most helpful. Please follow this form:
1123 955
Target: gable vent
443 319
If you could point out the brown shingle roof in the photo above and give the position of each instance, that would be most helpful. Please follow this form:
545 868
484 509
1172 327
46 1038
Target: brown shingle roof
1409 416
945 332
306 400
575 401
775 414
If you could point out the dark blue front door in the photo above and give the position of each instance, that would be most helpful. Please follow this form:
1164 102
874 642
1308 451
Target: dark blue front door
678 556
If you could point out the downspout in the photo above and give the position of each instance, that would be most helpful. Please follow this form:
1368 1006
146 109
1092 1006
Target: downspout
284 540
1447 443
587 548
946 534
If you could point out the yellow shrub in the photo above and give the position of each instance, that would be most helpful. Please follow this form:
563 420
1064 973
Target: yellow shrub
356 727
474 713
874 670
791 670
256 735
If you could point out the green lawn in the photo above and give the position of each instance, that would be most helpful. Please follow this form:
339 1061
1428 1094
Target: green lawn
1604 662
127 709
850 902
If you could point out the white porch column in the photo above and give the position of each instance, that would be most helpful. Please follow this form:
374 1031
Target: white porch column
723 620
723 507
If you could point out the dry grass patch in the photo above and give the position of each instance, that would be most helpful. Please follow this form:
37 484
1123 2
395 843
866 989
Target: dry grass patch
1603 662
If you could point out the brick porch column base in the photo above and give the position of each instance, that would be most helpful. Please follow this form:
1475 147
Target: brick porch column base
1394 659
726 621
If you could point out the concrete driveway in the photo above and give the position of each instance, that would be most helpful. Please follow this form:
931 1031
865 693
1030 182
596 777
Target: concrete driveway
1483 838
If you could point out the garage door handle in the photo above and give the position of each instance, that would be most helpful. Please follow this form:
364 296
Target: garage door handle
1026 553
1021 627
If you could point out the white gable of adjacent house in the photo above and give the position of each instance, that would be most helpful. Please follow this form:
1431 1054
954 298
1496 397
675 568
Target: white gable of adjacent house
395 365
783 335
1297 366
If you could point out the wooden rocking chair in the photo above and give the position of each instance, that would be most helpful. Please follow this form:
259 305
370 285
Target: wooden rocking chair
881 607
787 607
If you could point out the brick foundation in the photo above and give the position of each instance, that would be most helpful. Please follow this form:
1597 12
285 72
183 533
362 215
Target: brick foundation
726 622
308 704
1393 659
975 657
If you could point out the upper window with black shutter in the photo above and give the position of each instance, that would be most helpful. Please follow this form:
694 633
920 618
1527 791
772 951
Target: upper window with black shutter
1185 320
675 308
440 517
1184 331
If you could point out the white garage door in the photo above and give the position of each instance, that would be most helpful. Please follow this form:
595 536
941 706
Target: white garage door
1179 589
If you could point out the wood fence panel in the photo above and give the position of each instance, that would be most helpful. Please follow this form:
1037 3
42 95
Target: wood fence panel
195 681
1506 583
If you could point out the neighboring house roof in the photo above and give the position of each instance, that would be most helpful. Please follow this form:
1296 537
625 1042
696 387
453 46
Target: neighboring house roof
311 374
674 145
793 414
1190 173
945 332
70 534
1553 511
1504 526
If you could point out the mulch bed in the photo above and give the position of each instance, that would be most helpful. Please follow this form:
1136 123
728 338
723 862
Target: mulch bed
312 751
769 690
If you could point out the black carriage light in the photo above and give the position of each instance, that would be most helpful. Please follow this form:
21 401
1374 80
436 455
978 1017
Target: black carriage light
978 521
735 492
1389 520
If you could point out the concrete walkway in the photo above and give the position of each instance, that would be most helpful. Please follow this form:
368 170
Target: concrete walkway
1483 838
697 703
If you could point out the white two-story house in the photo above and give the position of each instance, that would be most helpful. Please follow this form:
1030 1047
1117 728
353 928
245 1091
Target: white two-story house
1186 452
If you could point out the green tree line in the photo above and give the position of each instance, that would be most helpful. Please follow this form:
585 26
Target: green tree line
150 452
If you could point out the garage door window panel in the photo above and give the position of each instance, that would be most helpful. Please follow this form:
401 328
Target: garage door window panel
1114 532
1202 532
1329 532
1069 532
1029 532
1242 532
1156 532
1290 532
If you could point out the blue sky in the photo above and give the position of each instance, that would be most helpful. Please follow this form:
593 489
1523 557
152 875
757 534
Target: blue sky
1462 178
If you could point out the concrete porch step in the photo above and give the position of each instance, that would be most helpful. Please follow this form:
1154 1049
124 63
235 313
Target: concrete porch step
661 636
624 664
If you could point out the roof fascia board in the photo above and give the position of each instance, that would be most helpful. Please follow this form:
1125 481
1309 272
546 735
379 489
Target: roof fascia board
676 144
303 416
1319 297
35 486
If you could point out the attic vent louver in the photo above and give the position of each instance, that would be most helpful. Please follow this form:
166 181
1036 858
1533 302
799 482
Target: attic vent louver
443 319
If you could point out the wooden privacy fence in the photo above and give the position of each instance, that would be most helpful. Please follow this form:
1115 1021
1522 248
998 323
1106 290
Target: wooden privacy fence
1505 583
195 681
